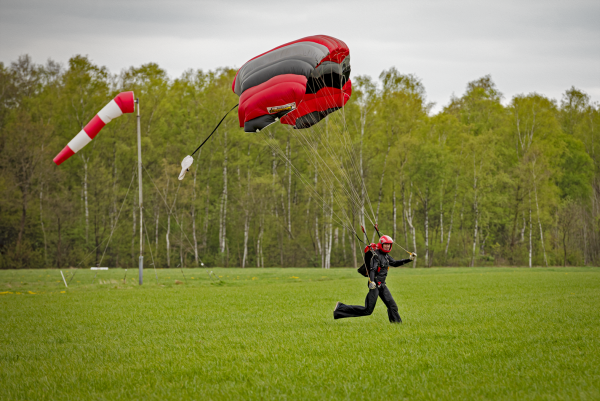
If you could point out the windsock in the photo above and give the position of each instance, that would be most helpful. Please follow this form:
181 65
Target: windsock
123 103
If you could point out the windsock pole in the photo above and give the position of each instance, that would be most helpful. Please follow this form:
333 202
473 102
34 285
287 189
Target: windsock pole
139 144
123 103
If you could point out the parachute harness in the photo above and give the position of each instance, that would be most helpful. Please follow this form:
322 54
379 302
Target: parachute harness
364 258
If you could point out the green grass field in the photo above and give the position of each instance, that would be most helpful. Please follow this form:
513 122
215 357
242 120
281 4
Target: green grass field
469 333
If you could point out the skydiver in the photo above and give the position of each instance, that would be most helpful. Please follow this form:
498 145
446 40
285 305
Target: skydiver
377 272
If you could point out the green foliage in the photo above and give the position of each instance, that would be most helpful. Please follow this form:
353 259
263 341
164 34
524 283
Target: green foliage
480 182
577 171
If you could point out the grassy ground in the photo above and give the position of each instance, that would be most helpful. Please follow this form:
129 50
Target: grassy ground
269 334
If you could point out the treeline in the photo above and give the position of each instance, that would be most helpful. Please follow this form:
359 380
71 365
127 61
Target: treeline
479 183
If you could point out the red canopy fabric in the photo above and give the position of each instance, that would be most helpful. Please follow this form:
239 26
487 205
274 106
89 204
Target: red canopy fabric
299 82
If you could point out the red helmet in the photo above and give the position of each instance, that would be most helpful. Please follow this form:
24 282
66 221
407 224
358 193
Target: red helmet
385 239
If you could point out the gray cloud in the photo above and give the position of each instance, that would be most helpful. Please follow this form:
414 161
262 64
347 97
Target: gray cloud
542 46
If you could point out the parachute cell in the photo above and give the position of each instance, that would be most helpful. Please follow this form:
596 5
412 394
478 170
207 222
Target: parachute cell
123 103
299 82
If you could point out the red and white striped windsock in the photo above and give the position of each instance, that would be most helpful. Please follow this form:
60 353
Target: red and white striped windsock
124 102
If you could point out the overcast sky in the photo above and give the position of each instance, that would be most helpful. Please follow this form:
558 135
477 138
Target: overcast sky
527 46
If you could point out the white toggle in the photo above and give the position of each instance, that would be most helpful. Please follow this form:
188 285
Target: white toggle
185 166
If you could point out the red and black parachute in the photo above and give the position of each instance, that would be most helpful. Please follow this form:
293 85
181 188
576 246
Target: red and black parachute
299 83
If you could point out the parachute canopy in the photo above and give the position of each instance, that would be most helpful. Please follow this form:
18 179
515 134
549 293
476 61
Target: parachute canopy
300 82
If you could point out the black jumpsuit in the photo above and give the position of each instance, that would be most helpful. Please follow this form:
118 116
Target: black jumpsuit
378 271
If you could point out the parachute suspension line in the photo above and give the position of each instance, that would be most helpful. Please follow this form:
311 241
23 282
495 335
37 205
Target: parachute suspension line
344 222
335 195
184 277
214 130
353 197
355 167
401 247
359 238
118 215
330 159
170 208
345 140
328 92
344 173
107 239
327 177
177 222
311 144
281 154
338 163
365 233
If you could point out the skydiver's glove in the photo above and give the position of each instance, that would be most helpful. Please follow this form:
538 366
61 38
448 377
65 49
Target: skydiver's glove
372 285
413 256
